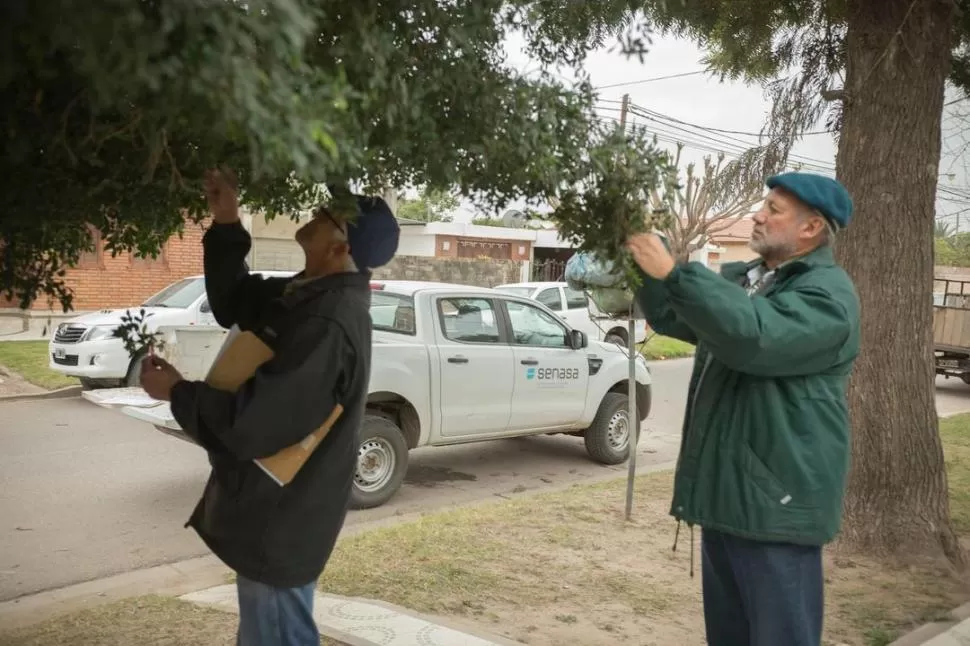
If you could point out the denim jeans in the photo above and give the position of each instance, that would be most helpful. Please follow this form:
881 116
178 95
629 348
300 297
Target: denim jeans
761 594
271 616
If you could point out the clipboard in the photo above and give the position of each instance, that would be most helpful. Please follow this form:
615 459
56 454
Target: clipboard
240 356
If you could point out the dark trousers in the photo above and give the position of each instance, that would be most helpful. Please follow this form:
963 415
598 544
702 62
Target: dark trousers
761 594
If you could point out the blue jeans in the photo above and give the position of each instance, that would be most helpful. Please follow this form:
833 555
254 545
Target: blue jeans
761 594
271 616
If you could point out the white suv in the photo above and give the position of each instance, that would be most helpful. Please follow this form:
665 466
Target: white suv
84 347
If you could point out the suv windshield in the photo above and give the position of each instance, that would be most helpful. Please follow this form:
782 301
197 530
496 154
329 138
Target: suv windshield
181 294
392 312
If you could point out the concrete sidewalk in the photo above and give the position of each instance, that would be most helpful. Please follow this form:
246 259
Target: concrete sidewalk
959 635
363 622
955 632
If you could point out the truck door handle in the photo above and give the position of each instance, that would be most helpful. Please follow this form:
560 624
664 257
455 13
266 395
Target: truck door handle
458 359
529 362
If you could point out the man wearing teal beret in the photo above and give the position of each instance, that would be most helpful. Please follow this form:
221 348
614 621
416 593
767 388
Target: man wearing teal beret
765 447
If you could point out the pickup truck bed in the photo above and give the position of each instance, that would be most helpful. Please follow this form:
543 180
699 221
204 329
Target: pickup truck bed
951 327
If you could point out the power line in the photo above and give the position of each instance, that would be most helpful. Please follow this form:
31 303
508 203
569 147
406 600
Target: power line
699 143
722 140
650 80
636 107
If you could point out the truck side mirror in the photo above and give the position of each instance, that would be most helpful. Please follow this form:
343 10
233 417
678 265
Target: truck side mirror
204 307
578 339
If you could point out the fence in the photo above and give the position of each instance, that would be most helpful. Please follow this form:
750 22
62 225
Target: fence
549 271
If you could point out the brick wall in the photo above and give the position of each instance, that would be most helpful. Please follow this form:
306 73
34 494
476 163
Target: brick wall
286 255
100 281
481 273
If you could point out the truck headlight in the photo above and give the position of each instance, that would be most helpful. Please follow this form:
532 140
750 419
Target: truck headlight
98 332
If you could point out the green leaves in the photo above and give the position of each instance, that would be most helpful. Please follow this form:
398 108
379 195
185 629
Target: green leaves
431 205
610 197
113 110
134 333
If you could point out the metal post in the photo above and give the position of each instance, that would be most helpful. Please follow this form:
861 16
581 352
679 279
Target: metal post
633 415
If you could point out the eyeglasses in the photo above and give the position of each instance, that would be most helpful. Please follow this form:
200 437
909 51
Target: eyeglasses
322 211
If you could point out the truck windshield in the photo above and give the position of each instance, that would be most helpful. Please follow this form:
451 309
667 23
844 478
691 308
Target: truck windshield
518 290
392 312
179 294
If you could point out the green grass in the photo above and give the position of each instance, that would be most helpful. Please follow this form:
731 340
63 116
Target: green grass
569 566
664 347
955 435
29 360
151 619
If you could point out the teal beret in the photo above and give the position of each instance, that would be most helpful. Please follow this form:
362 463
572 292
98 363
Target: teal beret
824 194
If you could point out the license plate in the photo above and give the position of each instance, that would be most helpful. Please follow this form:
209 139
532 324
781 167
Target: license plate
59 353
948 363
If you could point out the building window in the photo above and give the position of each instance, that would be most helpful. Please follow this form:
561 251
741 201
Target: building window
445 245
93 259
484 249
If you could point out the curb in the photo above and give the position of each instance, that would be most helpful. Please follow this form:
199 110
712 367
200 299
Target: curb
954 632
60 393
173 579
355 621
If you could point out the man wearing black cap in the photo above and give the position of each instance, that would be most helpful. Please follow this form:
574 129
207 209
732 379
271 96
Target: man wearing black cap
765 447
279 538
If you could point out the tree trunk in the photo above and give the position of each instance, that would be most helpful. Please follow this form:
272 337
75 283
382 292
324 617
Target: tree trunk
898 55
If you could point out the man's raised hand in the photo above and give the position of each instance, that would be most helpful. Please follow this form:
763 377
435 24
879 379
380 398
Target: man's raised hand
222 195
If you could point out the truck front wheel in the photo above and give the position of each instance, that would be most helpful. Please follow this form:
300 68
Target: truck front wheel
382 462
608 437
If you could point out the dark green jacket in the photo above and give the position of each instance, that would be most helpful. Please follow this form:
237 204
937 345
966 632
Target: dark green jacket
765 446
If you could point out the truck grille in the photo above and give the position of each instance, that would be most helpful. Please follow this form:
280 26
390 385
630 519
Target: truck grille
69 333
67 360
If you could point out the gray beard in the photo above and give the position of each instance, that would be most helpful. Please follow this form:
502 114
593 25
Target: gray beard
772 251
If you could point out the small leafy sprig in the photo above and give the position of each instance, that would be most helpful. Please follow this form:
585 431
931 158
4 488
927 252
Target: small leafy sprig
138 341
609 199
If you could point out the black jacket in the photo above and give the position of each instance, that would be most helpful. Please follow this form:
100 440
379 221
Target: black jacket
321 335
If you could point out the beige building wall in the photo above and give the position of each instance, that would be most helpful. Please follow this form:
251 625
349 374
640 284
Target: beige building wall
736 251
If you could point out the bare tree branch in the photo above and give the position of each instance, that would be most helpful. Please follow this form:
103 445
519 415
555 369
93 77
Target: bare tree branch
722 193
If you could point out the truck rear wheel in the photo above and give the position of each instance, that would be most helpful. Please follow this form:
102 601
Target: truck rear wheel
617 337
382 462
608 437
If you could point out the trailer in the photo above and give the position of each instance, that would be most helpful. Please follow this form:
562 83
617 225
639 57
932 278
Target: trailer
951 327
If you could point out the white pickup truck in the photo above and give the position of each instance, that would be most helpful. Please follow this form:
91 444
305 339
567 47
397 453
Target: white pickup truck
454 364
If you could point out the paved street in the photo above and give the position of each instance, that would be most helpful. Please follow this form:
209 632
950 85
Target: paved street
88 493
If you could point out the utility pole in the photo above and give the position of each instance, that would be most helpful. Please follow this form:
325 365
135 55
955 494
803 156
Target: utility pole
633 412
624 109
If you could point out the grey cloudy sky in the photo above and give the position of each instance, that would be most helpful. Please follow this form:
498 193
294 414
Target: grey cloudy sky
705 103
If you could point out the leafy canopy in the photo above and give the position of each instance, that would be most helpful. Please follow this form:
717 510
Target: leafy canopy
796 48
112 111
431 205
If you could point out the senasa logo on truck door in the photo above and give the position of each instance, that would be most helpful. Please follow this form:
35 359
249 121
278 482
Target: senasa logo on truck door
552 374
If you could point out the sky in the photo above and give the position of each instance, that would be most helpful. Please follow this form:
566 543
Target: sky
706 103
